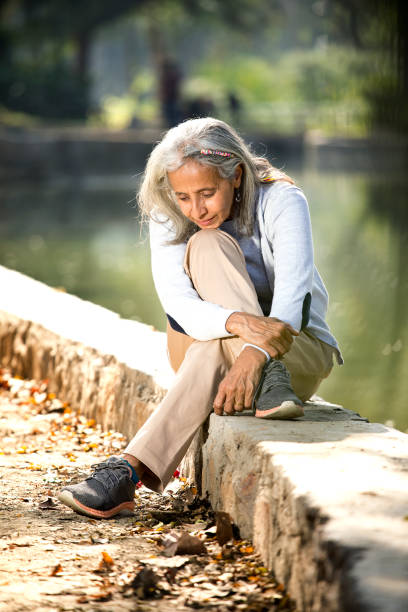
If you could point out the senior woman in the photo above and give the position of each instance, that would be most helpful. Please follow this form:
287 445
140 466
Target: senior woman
232 261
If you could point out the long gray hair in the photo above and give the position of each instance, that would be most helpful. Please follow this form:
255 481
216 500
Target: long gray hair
185 142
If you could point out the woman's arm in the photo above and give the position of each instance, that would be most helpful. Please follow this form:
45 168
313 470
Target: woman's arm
271 334
289 233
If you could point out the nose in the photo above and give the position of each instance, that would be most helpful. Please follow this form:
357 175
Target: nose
198 208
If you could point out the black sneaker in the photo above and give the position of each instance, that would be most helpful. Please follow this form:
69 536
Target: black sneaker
108 491
275 398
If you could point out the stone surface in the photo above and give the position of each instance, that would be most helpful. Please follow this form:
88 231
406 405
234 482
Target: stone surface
324 498
113 370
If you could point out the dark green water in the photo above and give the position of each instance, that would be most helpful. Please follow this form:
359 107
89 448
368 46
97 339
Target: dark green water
87 240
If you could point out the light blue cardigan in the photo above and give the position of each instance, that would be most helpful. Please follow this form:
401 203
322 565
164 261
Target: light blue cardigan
287 251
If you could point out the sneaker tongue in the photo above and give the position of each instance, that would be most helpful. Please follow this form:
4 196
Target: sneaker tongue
276 374
109 473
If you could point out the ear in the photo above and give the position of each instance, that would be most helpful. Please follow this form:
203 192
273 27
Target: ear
238 176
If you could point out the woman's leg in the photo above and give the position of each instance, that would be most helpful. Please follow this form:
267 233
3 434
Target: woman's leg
309 361
216 266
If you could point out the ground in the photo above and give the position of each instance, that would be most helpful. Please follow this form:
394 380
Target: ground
54 559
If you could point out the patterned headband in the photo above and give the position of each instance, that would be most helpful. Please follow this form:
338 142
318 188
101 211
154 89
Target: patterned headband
213 152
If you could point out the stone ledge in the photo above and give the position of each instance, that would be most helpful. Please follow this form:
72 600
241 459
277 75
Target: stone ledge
325 501
323 498
111 369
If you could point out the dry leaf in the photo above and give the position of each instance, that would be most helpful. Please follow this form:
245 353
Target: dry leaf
105 564
107 559
246 550
57 570
224 527
48 504
182 544
144 583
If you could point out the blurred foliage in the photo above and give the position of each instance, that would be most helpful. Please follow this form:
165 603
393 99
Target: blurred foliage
15 119
44 89
45 46
340 65
322 89
45 53
138 106
318 88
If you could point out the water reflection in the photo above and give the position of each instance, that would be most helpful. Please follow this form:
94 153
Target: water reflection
88 240
361 250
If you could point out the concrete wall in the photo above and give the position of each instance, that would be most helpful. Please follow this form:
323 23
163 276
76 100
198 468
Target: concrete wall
324 498
49 153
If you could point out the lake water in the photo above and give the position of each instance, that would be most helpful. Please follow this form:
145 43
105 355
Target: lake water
85 237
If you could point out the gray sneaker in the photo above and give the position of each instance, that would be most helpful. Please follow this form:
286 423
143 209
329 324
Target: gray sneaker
108 491
275 398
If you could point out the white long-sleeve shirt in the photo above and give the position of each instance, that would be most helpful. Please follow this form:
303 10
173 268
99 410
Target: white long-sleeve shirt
283 238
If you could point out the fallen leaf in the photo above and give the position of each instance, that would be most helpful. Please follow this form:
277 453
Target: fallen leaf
57 570
182 544
107 558
48 504
144 584
165 516
106 563
246 550
224 527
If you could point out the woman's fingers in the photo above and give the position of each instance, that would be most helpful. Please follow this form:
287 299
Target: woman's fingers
292 330
225 399
232 396
249 394
236 390
218 403
240 397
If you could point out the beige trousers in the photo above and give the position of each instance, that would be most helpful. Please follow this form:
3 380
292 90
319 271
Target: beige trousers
216 265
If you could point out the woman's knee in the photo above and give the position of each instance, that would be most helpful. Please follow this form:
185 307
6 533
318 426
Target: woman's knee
305 386
210 239
215 246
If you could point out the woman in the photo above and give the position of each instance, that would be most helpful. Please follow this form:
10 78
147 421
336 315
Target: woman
232 261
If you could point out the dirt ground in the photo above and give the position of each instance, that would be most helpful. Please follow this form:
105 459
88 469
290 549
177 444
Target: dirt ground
53 559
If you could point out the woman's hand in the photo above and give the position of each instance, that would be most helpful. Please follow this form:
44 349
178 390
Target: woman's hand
273 335
237 389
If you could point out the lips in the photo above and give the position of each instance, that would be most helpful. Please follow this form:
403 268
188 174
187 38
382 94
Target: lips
206 221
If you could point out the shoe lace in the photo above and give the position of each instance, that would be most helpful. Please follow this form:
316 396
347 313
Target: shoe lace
275 375
109 471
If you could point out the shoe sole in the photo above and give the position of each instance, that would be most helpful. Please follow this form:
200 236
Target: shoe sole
68 499
287 410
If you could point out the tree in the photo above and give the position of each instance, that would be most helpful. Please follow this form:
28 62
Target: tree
47 43
378 25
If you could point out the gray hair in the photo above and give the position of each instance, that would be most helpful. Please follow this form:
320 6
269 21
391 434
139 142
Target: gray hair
185 142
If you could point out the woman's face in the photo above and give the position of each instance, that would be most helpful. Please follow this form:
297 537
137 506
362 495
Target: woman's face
203 196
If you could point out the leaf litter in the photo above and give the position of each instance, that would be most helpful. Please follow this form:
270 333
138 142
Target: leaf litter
174 552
